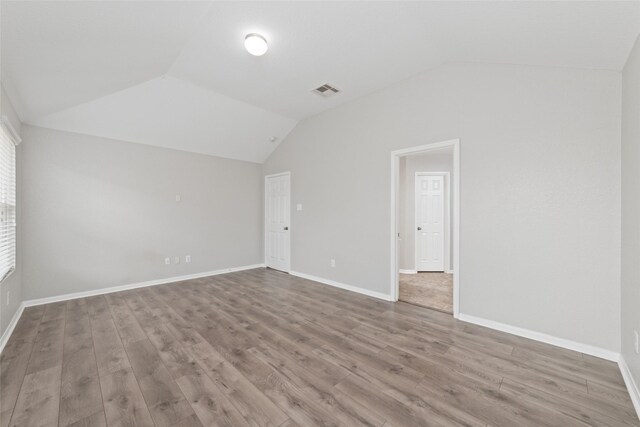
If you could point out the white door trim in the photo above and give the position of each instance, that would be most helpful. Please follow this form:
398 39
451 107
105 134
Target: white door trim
447 210
395 170
266 177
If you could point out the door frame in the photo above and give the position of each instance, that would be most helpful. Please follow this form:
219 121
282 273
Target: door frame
447 209
393 236
266 177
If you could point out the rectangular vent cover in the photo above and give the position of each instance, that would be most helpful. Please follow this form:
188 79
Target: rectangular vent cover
325 90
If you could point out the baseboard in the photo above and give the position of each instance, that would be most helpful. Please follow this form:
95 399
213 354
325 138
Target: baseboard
403 271
109 290
12 325
631 384
335 284
538 336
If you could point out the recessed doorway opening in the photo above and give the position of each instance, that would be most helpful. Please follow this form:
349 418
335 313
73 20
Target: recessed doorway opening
425 226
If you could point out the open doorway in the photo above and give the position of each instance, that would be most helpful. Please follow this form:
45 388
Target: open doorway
425 226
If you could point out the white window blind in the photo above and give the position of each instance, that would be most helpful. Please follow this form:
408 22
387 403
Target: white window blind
8 141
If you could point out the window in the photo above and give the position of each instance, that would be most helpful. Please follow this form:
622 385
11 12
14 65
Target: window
8 141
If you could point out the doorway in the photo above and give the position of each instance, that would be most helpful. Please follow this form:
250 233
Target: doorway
425 226
277 215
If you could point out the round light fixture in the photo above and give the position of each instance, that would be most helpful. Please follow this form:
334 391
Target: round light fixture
255 44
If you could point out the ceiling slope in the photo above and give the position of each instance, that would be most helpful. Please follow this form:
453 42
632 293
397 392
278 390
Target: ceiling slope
59 54
97 67
172 113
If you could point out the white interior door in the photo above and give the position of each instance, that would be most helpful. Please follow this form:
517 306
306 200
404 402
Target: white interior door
277 215
430 211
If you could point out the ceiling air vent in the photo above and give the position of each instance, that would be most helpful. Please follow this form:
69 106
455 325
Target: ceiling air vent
325 90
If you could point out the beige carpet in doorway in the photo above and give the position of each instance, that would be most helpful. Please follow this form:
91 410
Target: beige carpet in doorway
433 290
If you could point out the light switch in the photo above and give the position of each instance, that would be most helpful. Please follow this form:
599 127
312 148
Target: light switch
299 207
178 198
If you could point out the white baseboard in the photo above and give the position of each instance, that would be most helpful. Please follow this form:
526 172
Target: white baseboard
112 289
12 325
539 336
631 384
404 271
335 284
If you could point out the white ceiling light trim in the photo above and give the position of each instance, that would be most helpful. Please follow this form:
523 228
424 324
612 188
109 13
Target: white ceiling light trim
255 44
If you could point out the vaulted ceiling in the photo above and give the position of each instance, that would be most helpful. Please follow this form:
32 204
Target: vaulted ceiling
175 73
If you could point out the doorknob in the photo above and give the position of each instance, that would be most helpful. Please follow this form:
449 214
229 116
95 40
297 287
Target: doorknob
286 228
419 228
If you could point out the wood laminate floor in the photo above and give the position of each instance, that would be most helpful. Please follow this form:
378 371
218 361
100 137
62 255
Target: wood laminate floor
261 348
428 289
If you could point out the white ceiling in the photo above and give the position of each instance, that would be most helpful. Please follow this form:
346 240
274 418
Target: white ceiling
96 67
173 113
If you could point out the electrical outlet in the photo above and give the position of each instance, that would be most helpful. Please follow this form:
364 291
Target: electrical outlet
187 259
299 206
333 262
167 261
9 297
176 260
637 342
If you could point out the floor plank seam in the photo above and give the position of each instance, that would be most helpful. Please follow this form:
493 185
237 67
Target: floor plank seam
64 328
95 361
26 368
162 362
205 371
126 353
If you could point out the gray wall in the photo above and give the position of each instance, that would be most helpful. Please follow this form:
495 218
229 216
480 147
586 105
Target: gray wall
99 213
540 190
631 209
13 284
436 161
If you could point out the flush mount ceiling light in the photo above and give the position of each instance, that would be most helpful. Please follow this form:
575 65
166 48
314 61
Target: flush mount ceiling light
255 44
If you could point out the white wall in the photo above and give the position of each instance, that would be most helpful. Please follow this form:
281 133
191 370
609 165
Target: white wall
631 209
436 161
99 213
540 191
13 284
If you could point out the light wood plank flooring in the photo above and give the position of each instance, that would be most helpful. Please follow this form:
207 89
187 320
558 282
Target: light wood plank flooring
428 289
261 348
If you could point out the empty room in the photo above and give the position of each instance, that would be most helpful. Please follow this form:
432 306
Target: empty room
319 213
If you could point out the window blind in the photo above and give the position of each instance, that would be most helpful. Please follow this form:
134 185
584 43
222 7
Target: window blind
7 199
